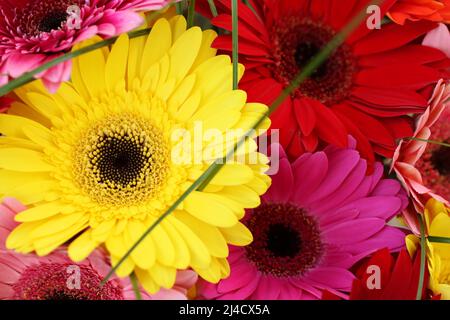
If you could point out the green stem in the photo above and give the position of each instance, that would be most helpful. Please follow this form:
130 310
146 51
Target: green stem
213 8
179 7
135 285
430 141
191 13
423 254
235 40
438 239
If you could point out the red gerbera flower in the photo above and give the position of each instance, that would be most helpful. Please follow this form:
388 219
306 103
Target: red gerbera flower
398 278
366 87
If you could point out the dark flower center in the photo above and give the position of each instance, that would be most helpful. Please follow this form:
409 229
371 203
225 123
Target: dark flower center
52 281
304 54
121 160
283 241
440 160
298 40
287 241
52 21
43 16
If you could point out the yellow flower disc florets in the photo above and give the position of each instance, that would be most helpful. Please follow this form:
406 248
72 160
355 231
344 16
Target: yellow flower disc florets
121 160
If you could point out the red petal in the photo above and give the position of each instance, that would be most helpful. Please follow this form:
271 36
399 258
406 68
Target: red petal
392 97
329 128
369 126
392 36
403 75
305 116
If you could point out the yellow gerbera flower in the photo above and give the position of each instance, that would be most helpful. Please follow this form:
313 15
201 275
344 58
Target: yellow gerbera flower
437 221
97 160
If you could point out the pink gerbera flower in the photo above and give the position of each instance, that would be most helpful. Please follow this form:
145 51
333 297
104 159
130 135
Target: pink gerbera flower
320 216
424 168
29 277
35 32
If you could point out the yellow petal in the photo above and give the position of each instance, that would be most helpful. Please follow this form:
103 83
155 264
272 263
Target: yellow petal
19 236
178 25
229 101
12 179
24 160
233 174
125 269
207 208
200 256
44 104
212 273
32 192
93 77
210 236
24 110
247 197
182 254
144 254
45 245
40 212
58 223
157 45
181 93
163 276
101 232
146 280
238 235
116 65
82 247
11 125
184 52
206 51
165 250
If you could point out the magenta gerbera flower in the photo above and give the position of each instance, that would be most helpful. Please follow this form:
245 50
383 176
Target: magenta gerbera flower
320 216
34 32
29 277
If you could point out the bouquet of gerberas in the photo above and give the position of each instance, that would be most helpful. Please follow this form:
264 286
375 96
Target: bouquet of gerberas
224 149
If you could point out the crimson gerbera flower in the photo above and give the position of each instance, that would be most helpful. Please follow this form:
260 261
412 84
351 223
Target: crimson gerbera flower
398 278
365 88
34 32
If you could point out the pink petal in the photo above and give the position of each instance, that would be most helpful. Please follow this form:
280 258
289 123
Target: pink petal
123 21
438 38
341 164
282 184
329 277
353 231
377 207
267 289
18 64
241 275
309 171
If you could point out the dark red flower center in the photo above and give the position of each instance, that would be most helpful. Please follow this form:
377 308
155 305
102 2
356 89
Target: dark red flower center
287 241
57 281
38 17
440 160
298 40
